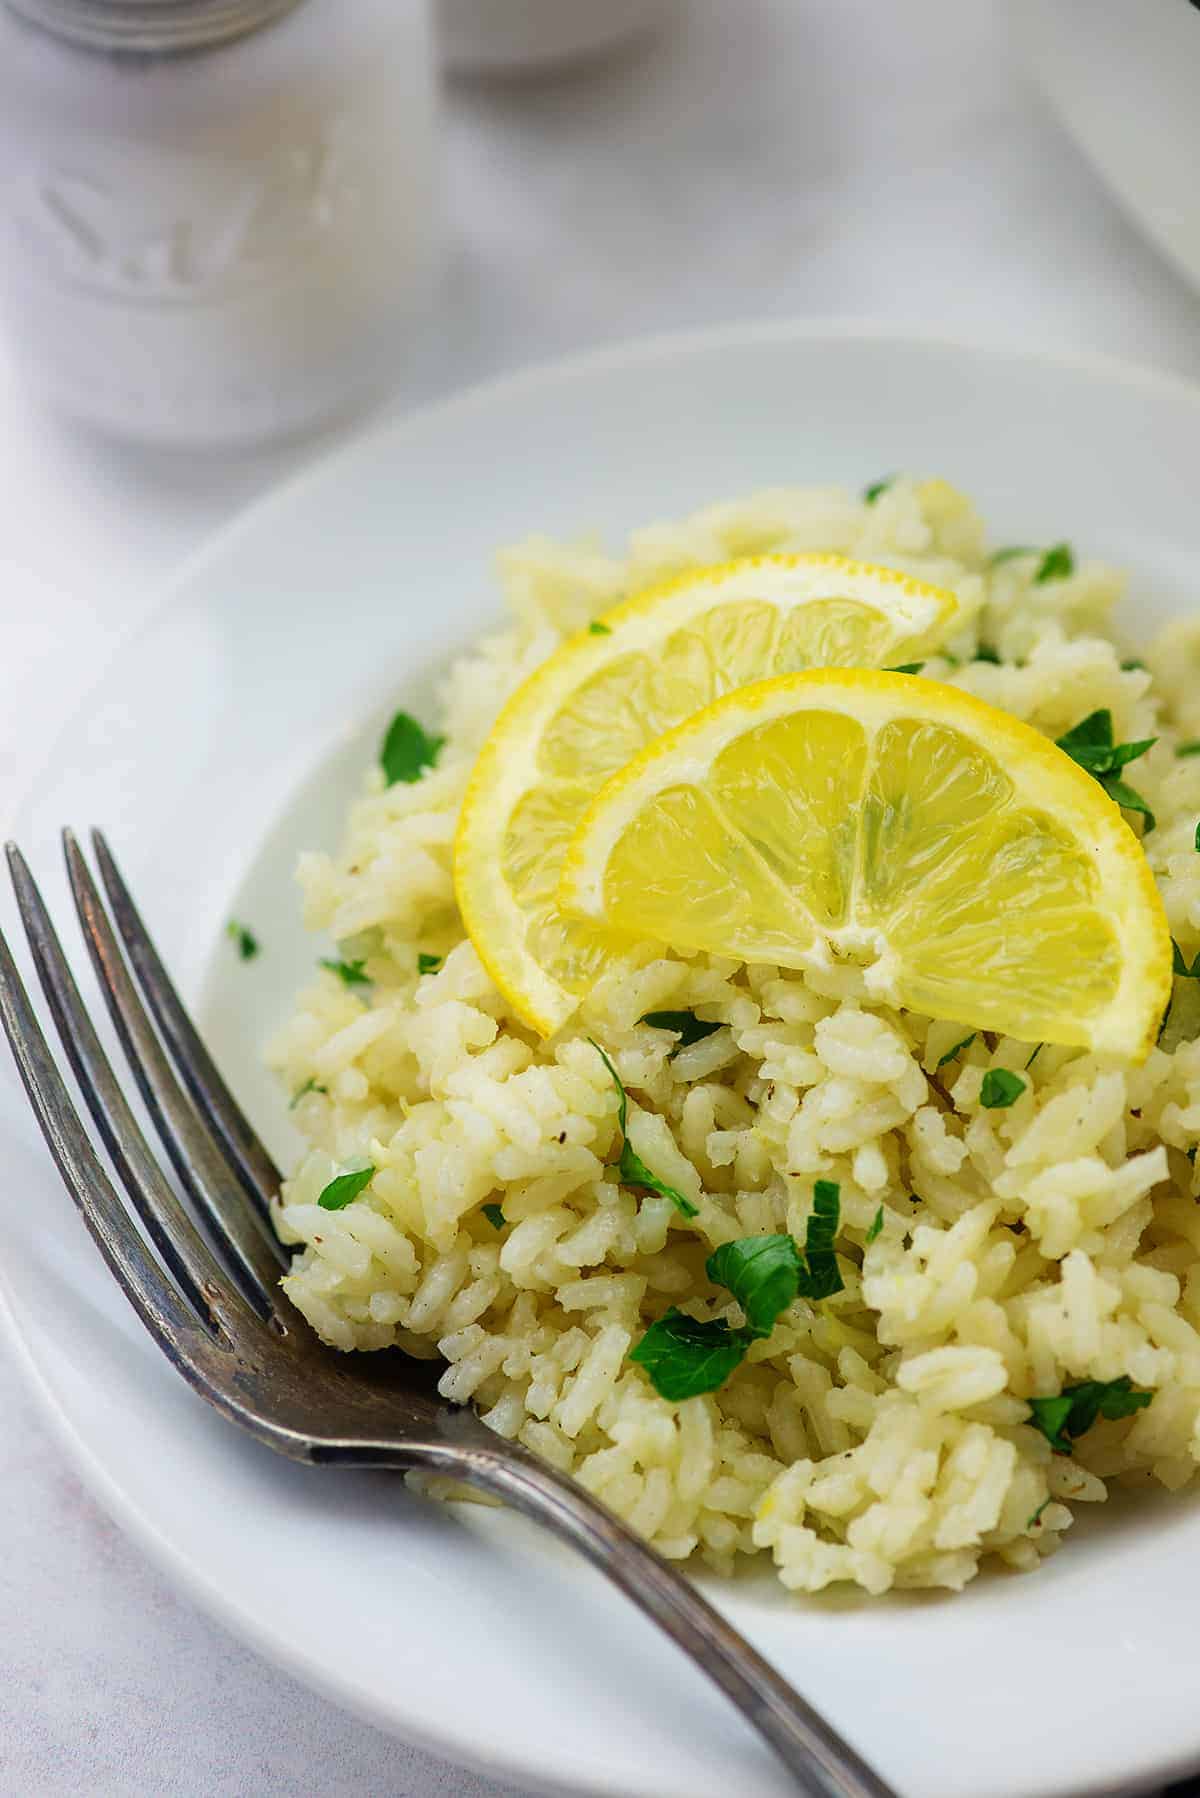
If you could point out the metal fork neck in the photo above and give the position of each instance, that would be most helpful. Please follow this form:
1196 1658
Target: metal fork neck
157 27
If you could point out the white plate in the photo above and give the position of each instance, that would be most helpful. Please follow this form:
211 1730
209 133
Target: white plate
229 735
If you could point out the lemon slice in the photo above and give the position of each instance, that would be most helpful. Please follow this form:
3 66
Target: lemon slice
647 665
975 871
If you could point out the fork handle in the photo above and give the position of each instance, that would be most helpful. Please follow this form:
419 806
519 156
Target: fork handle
824 1764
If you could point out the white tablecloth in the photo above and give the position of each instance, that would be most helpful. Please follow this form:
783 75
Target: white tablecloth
764 158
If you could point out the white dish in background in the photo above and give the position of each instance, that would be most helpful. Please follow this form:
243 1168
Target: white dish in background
228 736
511 37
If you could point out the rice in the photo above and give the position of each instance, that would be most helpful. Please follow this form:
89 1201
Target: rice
881 1436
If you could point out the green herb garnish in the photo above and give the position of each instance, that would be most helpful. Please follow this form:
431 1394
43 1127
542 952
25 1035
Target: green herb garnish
1037 1051
1036 1516
1090 744
685 1024
495 1216
985 653
1057 563
906 668
876 1226
407 751
429 964
765 1274
310 1086
1129 665
956 1050
343 1190
685 1357
872 493
350 973
1076 1409
596 629
631 1169
1000 1089
1192 748
1196 838
245 940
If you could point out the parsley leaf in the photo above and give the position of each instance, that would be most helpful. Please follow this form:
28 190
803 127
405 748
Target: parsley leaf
905 668
1090 744
1057 563
763 1273
596 629
872 493
495 1216
1131 663
247 943
1192 748
1000 1089
985 653
876 1226
686 1025
684 1357
1076 1409
429 964
350 973
631 1169
407 751
345 1188
1196 838
310 1086
956 1050
824 1277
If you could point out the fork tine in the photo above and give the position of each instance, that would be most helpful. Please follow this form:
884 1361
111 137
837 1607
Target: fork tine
153 1297
213 1099
254 1260
175 1236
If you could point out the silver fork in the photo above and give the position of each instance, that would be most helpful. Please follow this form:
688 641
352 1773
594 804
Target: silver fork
213 1303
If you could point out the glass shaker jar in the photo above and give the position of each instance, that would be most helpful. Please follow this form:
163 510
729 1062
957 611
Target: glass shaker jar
217 217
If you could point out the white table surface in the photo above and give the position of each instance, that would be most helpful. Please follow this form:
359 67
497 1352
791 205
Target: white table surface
764 158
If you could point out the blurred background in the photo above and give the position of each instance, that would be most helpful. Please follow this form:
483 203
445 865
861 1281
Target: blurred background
926 165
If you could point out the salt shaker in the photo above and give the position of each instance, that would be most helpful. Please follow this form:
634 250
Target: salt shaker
217 217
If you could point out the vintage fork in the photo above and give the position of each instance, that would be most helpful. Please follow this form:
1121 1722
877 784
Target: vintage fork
213 1303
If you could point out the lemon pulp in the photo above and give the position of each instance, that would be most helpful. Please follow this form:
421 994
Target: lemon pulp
648 664
978 872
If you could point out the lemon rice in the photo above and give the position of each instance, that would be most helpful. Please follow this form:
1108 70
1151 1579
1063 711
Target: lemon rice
1016 1222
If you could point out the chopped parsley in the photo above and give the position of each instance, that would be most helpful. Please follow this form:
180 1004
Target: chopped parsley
1000 1089
765 1274
631 1169
1128 666
1056 563
1185 749
956 1050
495 1216
1090 744
685 1357
345 1188
310 1086
429 964
685 1024
596 629
1035 1517
1196 838
407 751
985 653
876 1226
872 493
1077 1408
906 668
245 940
350 973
